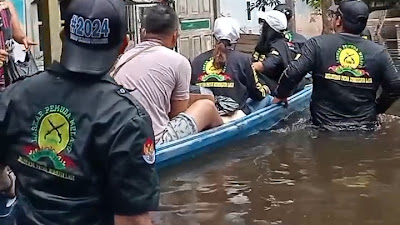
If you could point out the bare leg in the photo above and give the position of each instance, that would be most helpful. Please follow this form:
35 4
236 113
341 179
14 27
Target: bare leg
205 114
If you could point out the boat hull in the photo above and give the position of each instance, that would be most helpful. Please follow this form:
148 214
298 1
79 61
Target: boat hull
261 120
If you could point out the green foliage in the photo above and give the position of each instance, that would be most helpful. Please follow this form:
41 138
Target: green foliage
315 4
261 4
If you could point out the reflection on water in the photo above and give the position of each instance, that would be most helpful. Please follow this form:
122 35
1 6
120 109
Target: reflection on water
292 176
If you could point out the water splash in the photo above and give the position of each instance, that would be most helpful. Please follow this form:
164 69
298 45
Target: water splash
388 119
300 124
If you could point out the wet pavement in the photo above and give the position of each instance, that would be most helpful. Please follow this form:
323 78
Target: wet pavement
293 175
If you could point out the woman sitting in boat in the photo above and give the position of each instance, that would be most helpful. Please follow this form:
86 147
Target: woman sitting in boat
228 73
273 51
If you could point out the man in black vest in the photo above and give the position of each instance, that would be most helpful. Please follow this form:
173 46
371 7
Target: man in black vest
347 72
80 145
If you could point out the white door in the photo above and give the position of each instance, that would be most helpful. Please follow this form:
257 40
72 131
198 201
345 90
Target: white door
196 19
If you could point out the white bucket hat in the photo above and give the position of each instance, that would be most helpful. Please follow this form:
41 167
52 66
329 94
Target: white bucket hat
275 19
227 28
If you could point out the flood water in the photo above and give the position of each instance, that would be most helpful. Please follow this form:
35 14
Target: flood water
291 176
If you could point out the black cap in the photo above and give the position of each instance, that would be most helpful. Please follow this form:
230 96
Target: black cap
354 11
94 32
285 9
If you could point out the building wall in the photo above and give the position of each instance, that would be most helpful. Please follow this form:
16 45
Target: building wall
31 21
249 23
238 10
307 24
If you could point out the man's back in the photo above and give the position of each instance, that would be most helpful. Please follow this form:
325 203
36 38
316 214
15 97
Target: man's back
346 77
156 76
67 139
347 72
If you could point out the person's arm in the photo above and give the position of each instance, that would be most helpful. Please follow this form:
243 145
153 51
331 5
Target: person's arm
256 90
133 185
180 95
269 65
297 69
178 106
390 83
18 32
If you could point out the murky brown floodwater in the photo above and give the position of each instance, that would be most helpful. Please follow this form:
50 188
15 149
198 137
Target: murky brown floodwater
291 176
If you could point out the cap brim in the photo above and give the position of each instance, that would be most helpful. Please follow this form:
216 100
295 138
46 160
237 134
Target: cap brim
89 61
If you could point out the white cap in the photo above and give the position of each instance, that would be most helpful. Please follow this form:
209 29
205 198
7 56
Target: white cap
275 19
227 28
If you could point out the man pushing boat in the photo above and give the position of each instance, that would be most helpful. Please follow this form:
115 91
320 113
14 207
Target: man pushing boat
347 72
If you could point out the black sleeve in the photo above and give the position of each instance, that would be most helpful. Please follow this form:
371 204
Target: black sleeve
193 79
133 183
298 68
196 65
256 90
271 63
390 83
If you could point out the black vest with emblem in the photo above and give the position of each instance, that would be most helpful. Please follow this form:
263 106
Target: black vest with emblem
232 81
347 74
51 124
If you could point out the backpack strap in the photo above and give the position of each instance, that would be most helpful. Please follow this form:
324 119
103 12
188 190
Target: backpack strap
115 70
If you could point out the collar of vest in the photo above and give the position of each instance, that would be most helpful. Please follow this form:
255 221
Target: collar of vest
57 69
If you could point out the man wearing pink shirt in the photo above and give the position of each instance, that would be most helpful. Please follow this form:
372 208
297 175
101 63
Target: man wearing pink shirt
159 79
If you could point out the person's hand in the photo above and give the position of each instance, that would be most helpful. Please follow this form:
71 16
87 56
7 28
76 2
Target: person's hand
3 57
8 184
267 90
258 66
11 192
280 100
28 43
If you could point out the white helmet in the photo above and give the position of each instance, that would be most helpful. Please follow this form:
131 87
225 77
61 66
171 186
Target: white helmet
227 28
275 19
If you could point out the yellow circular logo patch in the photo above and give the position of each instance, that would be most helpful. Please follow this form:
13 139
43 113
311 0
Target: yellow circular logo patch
350 58
210 69
54 132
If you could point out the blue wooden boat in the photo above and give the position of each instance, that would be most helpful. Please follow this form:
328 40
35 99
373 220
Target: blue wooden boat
261 120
